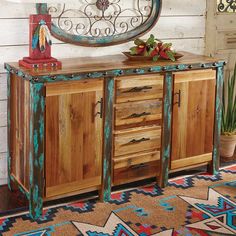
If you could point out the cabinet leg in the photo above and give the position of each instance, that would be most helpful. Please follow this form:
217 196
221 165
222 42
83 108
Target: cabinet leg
36 156
218 114
107 147
166 133
9 131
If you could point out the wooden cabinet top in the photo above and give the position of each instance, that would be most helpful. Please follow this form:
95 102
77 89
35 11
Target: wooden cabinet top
114 65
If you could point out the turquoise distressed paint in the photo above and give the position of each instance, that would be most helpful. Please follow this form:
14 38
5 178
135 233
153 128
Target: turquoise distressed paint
218 117
166 137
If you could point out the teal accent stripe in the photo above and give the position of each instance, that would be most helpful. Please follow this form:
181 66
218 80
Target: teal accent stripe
108 124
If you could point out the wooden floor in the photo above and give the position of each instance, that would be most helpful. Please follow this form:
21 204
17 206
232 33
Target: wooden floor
15 202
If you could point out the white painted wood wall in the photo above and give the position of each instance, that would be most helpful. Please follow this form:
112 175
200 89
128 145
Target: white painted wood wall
182 22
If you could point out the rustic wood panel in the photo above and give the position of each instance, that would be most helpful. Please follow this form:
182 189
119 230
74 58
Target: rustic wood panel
136 88
135 172
193 120
130 160
168 27
137 141
73 136
191 161
19 130
169 8
138 113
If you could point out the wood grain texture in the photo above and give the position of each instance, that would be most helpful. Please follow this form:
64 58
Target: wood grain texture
36 149
73 136
138 88
137 141
191 161
193 120
134 114
134 159
217 122
166 129
106 63
105 193
18 130
135 172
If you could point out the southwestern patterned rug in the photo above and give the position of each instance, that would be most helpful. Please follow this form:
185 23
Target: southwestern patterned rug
194 205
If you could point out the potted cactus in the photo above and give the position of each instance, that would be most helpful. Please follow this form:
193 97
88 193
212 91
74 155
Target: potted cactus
228 128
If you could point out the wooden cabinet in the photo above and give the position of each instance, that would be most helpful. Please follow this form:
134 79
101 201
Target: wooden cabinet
73 136
99 122
193 118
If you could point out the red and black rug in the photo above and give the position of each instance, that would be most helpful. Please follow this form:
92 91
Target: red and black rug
194 205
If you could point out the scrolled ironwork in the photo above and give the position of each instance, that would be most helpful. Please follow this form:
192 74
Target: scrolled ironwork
226 6
102 22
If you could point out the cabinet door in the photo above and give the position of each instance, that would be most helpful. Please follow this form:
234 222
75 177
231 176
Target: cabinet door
73 136
193 118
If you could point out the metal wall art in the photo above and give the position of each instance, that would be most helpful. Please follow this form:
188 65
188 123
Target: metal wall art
226 6
102 22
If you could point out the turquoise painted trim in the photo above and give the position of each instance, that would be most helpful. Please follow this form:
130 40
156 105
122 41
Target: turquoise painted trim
36 156
111 73
166 137
107 151
9 129
106 40
218 117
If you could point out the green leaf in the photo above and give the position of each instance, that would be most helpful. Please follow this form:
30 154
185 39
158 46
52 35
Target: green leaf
170 54
155 58
139 42
151 40
134 50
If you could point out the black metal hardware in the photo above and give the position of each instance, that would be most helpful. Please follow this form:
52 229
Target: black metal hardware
138 89
101 108
139 166
179 98
139 140
136 115
190 66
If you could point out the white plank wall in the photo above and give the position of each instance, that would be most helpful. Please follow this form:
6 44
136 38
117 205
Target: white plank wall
182 22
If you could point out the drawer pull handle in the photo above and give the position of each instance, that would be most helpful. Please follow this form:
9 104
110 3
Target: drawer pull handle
138 89
135 115
142 165
139 140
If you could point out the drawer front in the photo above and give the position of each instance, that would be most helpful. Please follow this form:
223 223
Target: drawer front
131 160
137 88
136 172
140 141
135 114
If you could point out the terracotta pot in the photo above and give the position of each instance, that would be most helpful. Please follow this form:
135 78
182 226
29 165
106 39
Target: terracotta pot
227 145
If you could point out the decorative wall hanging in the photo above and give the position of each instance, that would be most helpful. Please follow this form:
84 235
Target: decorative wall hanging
102 22
226 6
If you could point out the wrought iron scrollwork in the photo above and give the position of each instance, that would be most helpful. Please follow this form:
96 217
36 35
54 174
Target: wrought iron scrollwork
227 5
102 22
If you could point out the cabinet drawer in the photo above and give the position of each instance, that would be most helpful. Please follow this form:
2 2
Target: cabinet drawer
130 160
137 141
138 113
136 172
136 88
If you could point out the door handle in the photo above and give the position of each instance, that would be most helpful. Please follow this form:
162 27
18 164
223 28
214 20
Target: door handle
133 141
179 98
101 108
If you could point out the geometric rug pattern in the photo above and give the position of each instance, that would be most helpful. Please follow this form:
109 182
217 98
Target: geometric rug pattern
198 205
